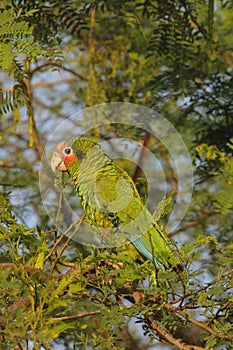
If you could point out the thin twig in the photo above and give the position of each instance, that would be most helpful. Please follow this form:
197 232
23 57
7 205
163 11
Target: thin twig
72 265
223 307
162 333
53 64
191 224
57 219
62 236
73 317
44 84
200 324
78 222
51 108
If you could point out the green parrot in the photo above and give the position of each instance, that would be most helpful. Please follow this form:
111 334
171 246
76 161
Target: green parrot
110 199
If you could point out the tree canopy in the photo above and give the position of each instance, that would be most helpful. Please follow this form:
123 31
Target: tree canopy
58 58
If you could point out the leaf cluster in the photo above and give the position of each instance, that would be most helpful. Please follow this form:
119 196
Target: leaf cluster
66 55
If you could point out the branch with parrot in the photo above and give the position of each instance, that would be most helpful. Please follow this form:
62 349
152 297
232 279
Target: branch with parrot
110 199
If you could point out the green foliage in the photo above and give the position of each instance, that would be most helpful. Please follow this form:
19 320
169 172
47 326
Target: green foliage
222 168
15 39
57 56
23 38
69 302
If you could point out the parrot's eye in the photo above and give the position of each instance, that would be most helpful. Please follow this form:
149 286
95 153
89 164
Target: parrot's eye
67 150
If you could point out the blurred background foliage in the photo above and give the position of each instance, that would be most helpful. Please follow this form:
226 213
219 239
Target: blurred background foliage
57 57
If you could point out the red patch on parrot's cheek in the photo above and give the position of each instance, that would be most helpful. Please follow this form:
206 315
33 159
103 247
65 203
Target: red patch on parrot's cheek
69 159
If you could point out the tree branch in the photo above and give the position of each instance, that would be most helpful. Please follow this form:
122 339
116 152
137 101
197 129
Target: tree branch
142 158
53 64
171 176
67 243
185 337
222 308
73 317
34 140
77 222
162 333
199 324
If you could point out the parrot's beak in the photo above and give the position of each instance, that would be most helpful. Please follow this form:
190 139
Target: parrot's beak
57 163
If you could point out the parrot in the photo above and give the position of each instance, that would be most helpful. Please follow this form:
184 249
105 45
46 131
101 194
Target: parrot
110 199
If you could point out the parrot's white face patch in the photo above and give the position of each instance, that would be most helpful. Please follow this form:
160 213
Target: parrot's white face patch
57 163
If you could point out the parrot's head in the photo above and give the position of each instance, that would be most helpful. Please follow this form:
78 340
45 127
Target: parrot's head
62 157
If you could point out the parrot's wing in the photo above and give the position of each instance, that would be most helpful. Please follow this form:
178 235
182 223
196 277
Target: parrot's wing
116 193
122 200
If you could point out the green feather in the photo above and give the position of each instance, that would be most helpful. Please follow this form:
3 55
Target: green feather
111 201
